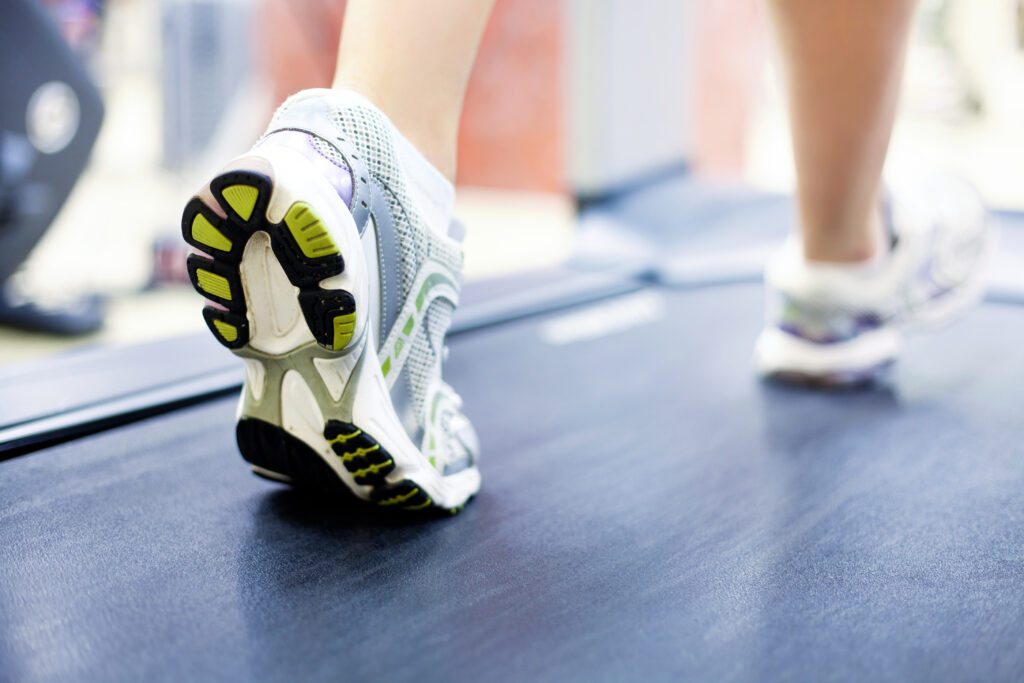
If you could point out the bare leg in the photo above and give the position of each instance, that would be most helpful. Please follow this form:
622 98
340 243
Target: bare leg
413 59
843 61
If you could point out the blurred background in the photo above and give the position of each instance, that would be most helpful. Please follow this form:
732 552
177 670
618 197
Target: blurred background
187 84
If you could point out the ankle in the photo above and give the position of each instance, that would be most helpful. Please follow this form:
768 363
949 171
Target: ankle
434 137
429 186
858 246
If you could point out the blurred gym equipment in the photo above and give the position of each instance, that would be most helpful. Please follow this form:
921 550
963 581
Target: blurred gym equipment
50 116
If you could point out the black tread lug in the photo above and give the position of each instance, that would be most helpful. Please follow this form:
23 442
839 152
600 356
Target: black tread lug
382 490
237 301
320 307
272 448
411 496
228 228
259 181
302 271
238 320
373 454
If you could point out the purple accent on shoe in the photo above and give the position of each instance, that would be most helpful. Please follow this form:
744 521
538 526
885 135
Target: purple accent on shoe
842 330
337 175
934 288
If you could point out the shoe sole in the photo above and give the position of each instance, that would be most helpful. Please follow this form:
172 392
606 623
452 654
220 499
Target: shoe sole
304 345
786 358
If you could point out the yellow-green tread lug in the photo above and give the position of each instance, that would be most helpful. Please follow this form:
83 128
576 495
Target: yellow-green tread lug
214 284
342 438
226 330
400 498
344 328
241 198
309 231
204 232
358 453
368 463
372 469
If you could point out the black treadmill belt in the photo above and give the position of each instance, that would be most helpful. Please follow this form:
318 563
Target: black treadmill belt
55 399
649 510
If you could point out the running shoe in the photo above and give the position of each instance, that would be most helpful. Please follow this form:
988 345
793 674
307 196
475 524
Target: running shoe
331 272
837 324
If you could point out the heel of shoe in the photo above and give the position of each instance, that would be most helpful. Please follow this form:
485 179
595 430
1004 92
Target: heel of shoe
307 242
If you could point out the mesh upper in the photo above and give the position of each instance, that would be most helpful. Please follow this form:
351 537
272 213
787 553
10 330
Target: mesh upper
423 364
370 133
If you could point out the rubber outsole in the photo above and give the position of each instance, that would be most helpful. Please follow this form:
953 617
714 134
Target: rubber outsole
300 242
369 464
307 254
276 452
836 380
273 449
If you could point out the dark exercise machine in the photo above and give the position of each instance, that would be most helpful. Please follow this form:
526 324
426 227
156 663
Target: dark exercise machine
650 511
50 115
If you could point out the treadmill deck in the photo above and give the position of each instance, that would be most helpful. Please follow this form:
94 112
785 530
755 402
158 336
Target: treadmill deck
649 510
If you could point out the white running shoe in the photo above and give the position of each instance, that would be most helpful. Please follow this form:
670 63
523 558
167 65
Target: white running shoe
329 268
839 325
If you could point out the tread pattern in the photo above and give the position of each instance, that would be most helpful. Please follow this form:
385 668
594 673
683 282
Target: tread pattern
300 242
331 315
369 464
271 448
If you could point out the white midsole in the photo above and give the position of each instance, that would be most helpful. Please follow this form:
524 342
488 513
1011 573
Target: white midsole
778 351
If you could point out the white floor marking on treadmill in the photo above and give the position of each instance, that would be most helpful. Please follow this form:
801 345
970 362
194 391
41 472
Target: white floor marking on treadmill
601 320
256 375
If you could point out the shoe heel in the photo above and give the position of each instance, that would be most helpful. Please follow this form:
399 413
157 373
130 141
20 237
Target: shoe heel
302 243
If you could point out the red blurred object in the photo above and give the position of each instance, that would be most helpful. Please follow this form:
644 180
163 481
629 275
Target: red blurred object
510 134
731 46
299 39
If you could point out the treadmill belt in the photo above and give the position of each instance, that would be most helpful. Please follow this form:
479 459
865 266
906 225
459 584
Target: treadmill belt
649 511
62 397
